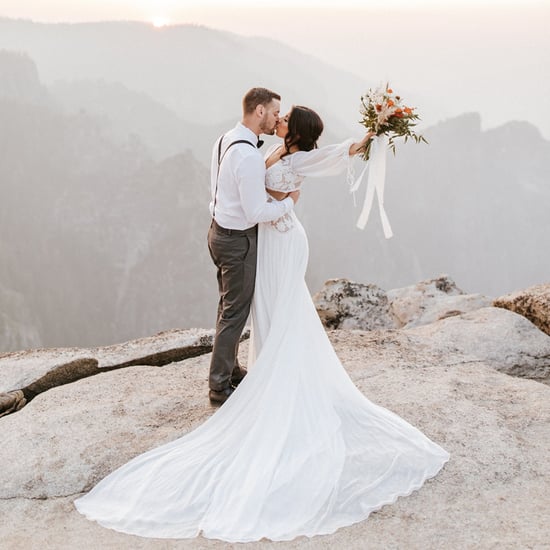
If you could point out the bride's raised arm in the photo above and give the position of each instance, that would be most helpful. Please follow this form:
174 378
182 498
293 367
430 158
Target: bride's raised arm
327 160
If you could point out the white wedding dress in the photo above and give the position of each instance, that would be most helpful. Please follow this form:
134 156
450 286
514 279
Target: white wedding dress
297 449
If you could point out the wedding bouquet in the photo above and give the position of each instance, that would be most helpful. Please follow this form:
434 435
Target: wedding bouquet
384 113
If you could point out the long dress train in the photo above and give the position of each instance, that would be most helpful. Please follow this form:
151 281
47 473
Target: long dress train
296 450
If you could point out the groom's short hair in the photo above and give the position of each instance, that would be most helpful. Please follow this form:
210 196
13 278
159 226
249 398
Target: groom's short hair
258 96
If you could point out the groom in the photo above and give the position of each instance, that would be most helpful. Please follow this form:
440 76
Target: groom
238 204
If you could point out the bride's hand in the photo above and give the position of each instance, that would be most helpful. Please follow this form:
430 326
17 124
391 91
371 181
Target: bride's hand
358 147
370 135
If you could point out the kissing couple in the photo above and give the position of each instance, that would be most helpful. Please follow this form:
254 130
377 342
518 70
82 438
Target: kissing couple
296 449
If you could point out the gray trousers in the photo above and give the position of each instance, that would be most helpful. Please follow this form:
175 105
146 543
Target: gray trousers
234 254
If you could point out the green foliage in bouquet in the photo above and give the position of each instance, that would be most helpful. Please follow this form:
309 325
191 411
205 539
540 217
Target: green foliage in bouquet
384 113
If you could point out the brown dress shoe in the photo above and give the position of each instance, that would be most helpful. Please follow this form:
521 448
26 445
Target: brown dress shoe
237 375
219 397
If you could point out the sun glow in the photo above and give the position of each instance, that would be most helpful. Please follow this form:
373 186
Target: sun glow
159 22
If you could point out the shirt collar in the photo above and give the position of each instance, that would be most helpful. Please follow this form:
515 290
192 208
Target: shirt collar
247 132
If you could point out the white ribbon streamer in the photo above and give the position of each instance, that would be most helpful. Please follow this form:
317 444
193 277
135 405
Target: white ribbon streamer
376 166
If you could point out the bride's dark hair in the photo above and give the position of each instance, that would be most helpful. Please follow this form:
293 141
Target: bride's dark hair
304 128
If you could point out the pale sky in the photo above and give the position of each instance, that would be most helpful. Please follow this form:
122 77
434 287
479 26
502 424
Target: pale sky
180 10
452 55
232 12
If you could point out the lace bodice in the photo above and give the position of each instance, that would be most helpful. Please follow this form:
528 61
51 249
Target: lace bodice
281 177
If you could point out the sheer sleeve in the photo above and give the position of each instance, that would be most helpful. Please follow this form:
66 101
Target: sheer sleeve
325 161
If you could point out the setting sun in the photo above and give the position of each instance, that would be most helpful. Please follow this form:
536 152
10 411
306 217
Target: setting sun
159 22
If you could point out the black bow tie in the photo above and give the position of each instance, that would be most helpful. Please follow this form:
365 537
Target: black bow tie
260 143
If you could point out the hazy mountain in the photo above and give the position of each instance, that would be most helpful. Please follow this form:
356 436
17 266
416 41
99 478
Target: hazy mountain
19 78
128 115
197 72
20 326
104 189
83 224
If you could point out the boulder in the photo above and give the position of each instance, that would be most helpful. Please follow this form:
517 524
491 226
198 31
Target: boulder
492 336
430 301
533 303
344 304
35 371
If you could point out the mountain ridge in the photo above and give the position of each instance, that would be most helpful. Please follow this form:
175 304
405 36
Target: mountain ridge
178 55
96 221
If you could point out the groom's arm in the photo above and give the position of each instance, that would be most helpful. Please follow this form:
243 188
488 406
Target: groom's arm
250 174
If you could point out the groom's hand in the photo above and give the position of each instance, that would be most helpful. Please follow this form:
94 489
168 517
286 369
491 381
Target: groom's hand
294 195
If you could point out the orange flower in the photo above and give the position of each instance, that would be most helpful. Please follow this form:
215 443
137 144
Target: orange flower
390 103
378 107
390 91
398 110
408 110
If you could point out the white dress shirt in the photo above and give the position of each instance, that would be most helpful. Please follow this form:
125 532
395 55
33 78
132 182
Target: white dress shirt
241 200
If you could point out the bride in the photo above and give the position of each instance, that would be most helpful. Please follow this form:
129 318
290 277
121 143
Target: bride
296 449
